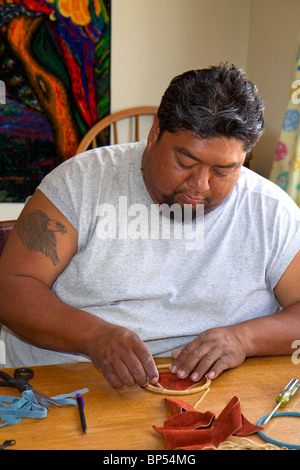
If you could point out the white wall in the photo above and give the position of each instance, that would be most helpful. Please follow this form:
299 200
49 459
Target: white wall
154 40
10 210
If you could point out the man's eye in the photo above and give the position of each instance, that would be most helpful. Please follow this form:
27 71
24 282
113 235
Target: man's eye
183 165
185 162
223 174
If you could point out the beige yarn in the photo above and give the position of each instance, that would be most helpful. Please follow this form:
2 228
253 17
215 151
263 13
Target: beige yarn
245 444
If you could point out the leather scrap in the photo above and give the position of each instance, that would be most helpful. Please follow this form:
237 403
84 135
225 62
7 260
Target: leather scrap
190 429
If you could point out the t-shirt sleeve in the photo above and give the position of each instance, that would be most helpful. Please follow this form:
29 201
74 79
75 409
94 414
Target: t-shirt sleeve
285 240
75 187
59 187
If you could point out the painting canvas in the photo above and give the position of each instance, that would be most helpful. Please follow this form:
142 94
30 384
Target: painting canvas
55 67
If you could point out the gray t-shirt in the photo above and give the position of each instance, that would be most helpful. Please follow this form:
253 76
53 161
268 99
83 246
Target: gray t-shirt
166 289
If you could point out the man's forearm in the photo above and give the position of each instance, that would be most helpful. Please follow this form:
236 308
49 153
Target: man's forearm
271 335
30 309
33 311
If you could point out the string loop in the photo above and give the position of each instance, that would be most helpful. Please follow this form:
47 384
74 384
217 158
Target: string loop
168 391
274 441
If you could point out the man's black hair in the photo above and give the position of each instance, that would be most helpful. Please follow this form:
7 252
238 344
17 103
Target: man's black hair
213 102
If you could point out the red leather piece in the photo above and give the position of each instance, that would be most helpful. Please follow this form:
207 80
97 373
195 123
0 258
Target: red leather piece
190 429
168 380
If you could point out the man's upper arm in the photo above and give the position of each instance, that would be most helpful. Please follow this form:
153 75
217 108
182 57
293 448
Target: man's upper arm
287 290
42 242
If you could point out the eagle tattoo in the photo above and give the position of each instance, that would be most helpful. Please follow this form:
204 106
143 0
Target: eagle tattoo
37 232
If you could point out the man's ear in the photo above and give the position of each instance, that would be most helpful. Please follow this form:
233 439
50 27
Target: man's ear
154 132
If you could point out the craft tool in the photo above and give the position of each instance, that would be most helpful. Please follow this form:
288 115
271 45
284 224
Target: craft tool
80 402
20 381
284 397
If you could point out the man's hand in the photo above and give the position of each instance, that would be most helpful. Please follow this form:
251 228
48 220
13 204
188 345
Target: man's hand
210 353
122 357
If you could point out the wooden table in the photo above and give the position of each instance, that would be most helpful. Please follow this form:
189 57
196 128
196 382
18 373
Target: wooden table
122 420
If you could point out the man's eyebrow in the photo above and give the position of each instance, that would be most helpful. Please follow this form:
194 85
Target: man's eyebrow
188 154
231 165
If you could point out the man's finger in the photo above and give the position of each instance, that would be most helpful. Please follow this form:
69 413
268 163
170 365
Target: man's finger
188 359
137 370
148 364
206 364
176 353
112 378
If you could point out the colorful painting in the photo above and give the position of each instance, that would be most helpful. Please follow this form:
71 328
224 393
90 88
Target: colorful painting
55 67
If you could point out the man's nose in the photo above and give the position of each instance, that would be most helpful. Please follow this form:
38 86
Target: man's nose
199 180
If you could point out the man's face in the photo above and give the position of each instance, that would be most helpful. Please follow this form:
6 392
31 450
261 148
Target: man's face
183 168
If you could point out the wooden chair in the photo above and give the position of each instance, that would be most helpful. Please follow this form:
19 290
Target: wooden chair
6 227
112 119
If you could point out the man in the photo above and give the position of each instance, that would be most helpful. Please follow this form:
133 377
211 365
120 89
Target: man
78 282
